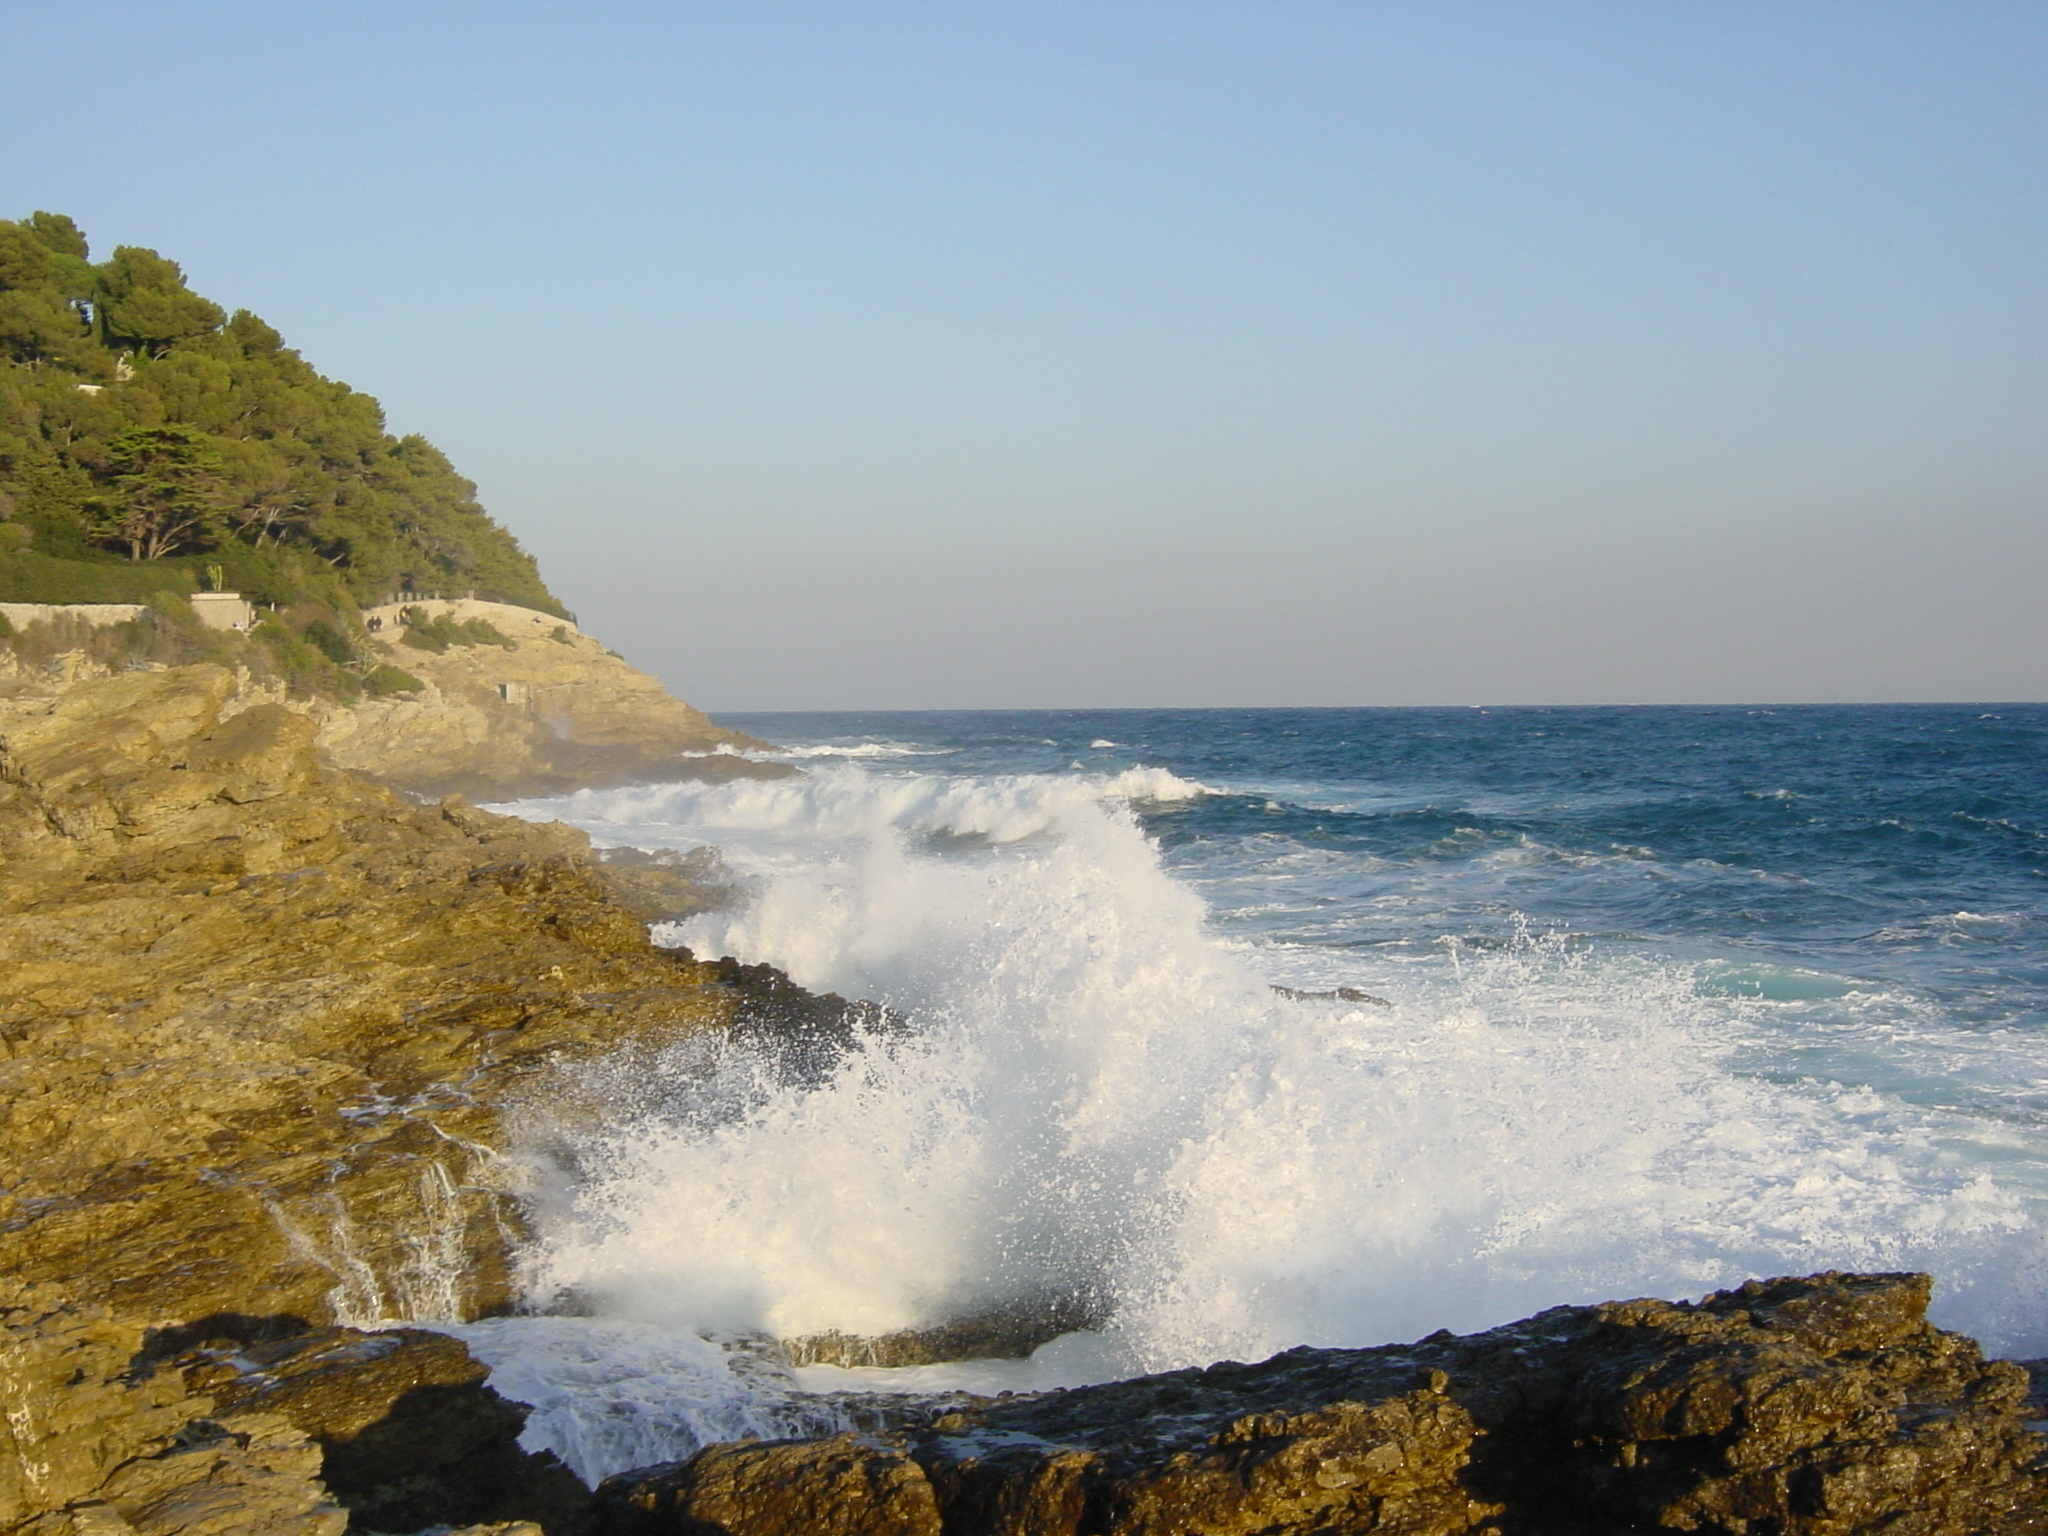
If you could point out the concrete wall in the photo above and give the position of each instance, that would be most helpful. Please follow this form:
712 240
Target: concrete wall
99 615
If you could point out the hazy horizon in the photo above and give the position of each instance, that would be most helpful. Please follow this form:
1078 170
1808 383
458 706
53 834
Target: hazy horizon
1213 355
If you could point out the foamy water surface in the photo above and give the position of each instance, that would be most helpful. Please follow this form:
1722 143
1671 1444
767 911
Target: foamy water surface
1659 1016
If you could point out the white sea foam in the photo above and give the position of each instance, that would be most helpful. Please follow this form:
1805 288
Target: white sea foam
1093 1095
608 1395
863 750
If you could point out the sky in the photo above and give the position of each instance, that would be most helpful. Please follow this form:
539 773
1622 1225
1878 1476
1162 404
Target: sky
863 356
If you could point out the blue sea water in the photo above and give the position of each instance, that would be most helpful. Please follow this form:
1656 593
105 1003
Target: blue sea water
1906 844
1634 1001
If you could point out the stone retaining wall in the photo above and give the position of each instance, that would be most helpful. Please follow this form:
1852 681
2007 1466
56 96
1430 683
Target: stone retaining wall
99 615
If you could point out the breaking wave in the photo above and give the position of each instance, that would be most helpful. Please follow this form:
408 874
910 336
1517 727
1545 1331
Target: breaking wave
1084 1092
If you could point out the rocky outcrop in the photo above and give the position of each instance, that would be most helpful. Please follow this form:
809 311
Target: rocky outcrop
260 1023
547 711
408 1433
261 1018
1827 1406
91 1447
551 710
1003 1333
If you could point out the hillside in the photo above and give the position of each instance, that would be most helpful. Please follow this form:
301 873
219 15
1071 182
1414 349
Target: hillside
153 444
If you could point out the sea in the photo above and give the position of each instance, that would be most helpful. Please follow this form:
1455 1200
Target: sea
1233 1030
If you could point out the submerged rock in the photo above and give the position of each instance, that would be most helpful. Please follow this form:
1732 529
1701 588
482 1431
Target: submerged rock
1002 1333
1826 1406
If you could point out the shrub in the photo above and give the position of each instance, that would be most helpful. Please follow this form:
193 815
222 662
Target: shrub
384 681
437 634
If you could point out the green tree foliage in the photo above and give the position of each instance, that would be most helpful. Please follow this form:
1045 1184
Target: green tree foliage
437 634
139 422
165 494
142 302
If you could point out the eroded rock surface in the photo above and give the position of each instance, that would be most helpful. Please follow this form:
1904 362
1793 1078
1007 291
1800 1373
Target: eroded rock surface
261 1017
553 711
409 1434
260 1023
91 1447
1817 1407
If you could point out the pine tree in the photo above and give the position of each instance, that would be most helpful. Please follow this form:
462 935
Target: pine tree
166 493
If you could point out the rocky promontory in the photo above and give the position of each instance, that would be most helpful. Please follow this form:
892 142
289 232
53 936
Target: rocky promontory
541 709
488 700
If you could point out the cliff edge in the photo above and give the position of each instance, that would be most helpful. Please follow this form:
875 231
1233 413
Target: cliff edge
547 710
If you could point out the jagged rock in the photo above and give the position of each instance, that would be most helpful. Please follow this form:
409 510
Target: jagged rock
662 885
1826 1406
264 751
260 1018
408 1432
847 1485
1002 1333
90 1445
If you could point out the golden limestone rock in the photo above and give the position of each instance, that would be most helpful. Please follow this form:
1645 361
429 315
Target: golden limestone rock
238 992
543 709
260 1022
1823 1406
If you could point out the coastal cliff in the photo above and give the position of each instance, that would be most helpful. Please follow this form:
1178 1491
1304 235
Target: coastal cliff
542 709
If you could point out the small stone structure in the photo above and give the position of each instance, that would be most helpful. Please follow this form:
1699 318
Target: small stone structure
224 610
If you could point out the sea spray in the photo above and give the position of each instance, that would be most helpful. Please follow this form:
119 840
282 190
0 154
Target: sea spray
1095 1094
1068 1019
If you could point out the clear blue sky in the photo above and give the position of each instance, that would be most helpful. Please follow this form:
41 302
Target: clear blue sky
982 354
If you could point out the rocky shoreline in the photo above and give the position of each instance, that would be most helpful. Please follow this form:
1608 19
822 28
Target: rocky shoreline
264 1020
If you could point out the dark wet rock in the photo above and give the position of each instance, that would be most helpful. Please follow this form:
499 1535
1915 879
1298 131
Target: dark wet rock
1825 1406
803 1034
1334 995
662 885
847 1486
1002 1333
2037 1387
409 1433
